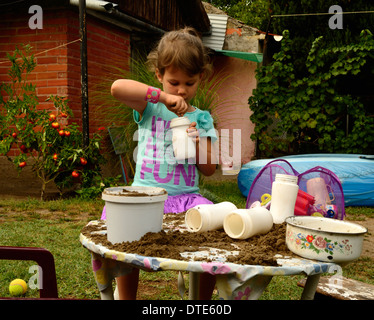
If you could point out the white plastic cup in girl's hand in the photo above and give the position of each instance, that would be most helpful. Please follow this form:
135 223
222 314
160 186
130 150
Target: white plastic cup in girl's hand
183 145
246 223
206 217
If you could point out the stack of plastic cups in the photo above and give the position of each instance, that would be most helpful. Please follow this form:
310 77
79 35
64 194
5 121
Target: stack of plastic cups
303 203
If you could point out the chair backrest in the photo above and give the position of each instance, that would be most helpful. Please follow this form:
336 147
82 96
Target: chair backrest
45 260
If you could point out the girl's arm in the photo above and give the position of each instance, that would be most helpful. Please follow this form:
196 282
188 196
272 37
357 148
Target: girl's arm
204 152
133 94
207 168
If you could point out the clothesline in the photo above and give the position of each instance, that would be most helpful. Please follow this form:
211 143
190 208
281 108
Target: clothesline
318 14
42 52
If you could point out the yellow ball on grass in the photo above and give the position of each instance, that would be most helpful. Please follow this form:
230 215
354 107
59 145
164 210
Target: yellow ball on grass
17 287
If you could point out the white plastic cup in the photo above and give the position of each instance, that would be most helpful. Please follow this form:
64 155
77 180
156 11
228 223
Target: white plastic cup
183 145
246 223
318 189
133 211
283 197
206 217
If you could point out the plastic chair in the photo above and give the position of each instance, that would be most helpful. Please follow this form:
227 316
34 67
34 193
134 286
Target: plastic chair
45 260
117 136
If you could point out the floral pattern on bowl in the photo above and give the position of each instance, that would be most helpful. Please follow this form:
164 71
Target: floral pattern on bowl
320 244
324 239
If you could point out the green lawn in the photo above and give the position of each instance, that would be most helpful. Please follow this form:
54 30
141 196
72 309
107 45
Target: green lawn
56 225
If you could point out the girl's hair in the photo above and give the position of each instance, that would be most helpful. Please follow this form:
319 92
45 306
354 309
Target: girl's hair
182 49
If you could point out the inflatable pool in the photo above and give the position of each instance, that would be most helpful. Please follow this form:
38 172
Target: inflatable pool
355 171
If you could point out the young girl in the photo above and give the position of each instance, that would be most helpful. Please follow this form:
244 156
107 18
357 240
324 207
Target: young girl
180 64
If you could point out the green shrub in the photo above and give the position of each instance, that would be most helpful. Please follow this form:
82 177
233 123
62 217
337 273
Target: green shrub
309 114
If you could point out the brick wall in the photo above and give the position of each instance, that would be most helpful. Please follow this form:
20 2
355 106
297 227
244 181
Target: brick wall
108 47
58 71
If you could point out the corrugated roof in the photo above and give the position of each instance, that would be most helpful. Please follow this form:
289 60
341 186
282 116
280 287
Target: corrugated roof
217 38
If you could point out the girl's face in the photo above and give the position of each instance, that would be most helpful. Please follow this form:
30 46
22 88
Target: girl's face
177 82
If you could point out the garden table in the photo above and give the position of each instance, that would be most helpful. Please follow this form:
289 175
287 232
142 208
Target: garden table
233 281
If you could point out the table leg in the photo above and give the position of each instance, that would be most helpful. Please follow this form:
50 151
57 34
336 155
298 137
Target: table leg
310 287
193 290
107 294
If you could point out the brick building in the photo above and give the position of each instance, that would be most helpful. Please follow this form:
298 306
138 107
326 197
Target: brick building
58 70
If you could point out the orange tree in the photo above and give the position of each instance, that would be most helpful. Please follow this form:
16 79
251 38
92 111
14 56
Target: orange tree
46 140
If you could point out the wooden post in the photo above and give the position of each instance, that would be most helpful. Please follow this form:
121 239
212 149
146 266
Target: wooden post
84 75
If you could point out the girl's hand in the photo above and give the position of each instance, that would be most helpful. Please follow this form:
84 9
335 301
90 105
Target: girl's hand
176 104
193 132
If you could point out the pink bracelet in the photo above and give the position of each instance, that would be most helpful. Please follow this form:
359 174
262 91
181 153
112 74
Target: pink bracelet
153 94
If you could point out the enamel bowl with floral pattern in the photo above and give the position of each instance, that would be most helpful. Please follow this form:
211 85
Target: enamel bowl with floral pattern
324 239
